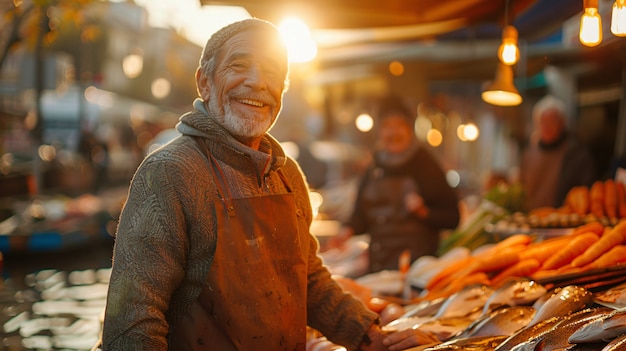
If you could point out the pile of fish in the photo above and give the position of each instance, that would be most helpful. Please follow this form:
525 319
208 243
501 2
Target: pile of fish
521 315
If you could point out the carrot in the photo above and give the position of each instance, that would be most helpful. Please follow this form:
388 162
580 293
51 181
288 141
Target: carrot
596 195
610 199
446 274
496 260
615 255
606 242
595 227
458 284
517 242
523 268
565 254
578 200
621 199
541 251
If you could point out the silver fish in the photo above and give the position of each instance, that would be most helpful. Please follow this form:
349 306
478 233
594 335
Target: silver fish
557 338
587 346
468 301
479 343
423 308
605 328
502 321
528 333
515 292
446 328
406 323
568 299
616 344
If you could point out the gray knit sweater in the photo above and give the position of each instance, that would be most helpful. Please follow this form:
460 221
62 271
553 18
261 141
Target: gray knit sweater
167 235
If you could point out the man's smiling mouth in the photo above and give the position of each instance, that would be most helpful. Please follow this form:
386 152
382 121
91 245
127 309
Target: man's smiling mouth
252 103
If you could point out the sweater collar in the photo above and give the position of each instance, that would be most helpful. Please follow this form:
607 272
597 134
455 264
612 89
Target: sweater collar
224 146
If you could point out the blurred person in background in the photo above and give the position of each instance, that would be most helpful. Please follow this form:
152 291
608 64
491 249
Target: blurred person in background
213 249
403 200
554 161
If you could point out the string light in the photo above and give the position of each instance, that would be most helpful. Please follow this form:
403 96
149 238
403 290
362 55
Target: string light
590 24
508 52
618 19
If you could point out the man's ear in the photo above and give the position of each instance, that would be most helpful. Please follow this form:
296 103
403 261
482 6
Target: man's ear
202 85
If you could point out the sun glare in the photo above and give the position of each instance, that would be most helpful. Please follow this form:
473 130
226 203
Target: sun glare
297 36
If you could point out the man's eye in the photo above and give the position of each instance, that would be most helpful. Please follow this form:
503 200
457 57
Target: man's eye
238 64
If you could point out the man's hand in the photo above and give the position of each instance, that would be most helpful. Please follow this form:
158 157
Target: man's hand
414 203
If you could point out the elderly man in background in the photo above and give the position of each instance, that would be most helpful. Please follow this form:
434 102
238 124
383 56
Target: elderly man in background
554 160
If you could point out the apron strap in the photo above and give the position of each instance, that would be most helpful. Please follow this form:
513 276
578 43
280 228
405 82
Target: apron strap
218 175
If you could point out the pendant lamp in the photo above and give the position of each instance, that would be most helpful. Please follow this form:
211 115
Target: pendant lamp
502 92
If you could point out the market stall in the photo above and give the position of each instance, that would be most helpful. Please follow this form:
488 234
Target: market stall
549 279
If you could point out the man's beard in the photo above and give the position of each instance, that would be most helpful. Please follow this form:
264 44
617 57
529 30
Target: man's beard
235 125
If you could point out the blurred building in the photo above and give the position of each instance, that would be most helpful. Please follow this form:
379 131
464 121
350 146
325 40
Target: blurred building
110 78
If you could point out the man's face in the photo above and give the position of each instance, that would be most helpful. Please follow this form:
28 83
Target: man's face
396 134
245 92
550 126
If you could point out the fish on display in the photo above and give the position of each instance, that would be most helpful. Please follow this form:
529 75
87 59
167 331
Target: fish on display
467 302
501 321
478 343
605 328
528 333
424 308
442 328
557 337
563 301
587 346
515 292
617 344
406 323
446 328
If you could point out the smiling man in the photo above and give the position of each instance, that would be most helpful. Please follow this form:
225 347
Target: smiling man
213 249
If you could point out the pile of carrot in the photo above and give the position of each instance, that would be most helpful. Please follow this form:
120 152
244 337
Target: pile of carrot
603 201
592 245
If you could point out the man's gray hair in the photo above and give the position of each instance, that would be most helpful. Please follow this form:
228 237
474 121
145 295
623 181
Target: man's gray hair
217 40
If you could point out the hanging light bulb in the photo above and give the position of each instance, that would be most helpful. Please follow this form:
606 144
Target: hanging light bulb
508 52
618 20
502 92
590 24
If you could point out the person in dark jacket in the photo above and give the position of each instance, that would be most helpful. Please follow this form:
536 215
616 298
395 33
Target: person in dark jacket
403 200
554 161
213 249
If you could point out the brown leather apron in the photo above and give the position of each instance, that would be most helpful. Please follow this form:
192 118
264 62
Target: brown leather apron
255 294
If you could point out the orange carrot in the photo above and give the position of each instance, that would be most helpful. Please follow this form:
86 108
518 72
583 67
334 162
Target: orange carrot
610 199
595 227
614 256
578 200
446 273
565 254
523 268
458 284
606 242
541 251
596 195
496 260
621 199
518 241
